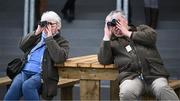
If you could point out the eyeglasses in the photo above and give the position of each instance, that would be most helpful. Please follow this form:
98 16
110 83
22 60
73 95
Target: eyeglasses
51 23
45 23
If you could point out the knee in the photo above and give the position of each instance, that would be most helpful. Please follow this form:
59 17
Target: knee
130 89
127 93
26 86
162 90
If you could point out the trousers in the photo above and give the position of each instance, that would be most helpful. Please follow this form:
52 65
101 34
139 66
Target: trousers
25 84
131 90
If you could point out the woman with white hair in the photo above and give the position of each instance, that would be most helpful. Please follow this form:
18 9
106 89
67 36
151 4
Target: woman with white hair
42 47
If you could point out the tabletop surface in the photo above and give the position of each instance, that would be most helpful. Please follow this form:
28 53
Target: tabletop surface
89 61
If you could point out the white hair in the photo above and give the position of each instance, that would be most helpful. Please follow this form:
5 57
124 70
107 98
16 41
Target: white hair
113 14
51 16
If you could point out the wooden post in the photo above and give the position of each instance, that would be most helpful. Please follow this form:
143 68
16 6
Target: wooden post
66 93
89 90
114 90
178 92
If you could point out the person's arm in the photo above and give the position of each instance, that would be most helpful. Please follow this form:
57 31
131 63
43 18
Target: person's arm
144 35
105 54
58 50
28 41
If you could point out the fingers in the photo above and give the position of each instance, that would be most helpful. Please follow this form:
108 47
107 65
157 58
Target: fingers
107 31
39 30
48 30
119 24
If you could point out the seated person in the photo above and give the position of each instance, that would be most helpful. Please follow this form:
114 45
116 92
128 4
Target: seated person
42 49
133 51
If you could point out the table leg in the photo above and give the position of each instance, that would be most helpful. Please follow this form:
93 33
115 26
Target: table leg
114 90
67 93
89 90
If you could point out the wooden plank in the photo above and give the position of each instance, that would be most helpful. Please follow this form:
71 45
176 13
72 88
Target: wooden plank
81 57
5 81
97 65
89 73
84 61
62 83
77 59
110 66
67 82
72 61
174 84
89 90
81 61
86 64
87 60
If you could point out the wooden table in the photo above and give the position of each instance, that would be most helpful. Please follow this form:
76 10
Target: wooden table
90 72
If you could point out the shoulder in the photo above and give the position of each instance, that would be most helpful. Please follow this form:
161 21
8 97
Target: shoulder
60 39
144 27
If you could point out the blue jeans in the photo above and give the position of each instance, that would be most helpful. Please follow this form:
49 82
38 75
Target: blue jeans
25 84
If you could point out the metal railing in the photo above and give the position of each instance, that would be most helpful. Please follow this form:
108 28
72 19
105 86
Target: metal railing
29 9
123 6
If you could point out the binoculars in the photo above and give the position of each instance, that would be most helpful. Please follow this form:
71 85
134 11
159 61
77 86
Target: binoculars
112 23
43 23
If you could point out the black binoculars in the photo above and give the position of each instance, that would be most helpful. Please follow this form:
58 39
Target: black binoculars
112 23
43 23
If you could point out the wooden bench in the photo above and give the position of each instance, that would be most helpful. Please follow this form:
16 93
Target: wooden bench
90 72
66 86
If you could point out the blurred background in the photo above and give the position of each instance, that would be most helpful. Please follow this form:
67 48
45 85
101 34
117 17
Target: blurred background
85 32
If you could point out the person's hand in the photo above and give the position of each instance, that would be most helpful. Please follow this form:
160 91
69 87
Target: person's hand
39 30
48 31
123 27
107 29
107 32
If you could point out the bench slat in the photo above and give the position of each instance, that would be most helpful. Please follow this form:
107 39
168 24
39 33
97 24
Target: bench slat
67 82
62 83
5 81
174 84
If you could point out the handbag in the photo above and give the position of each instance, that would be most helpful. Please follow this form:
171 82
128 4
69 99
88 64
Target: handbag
14 67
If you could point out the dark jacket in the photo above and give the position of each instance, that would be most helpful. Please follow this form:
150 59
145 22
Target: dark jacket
143 56
56 51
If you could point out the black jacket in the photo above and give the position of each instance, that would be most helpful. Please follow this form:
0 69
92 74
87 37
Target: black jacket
135 55
56 51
